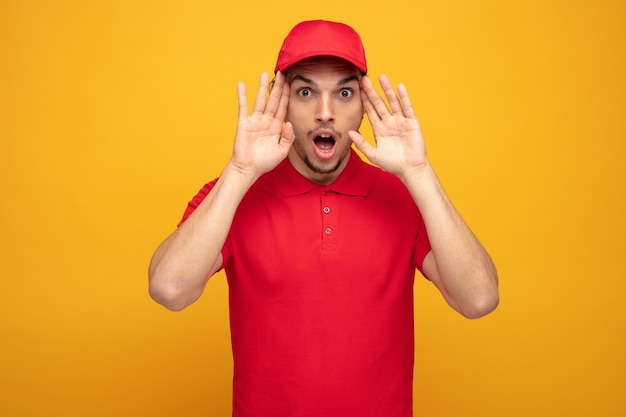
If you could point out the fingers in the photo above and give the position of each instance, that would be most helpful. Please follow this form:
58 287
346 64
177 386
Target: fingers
243 100
281 111
273 102
368 107
362 145
374 104
275 105
407 107
259 102
392 99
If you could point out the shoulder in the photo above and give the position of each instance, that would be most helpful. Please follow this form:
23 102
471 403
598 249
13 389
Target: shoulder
385 183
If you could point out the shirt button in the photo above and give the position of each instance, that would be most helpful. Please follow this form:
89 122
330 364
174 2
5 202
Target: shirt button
328 230
326 209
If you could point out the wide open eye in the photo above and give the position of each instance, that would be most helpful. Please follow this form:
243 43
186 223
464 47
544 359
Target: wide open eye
346 93
304 92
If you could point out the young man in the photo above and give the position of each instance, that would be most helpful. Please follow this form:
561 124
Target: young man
319 247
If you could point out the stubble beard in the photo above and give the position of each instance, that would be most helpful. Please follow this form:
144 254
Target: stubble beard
318 169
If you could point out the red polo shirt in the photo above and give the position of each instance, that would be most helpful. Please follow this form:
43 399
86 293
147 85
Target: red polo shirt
321 294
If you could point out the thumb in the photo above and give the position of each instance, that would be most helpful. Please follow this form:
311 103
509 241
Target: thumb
361 144
288 135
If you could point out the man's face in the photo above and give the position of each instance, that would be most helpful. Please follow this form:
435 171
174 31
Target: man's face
324 105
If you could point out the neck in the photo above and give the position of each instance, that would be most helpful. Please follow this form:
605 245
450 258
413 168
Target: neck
308 171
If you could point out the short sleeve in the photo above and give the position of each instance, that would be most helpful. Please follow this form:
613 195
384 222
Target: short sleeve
195 202
422 246
193 205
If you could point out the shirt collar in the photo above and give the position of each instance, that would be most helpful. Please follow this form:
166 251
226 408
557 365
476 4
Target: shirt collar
356 179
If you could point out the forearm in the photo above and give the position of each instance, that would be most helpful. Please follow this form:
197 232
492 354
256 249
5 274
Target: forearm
458 264
183 263
462 269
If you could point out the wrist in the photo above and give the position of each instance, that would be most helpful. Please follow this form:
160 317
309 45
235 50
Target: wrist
240 174
417 173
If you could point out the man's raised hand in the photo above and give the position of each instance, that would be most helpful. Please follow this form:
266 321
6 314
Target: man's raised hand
263 140
399 142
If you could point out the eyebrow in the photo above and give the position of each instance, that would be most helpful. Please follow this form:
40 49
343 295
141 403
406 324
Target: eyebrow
343 81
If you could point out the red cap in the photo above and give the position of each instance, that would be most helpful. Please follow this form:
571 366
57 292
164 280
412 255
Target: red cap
321 38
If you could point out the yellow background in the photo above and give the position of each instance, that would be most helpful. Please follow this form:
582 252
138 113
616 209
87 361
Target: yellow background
114 113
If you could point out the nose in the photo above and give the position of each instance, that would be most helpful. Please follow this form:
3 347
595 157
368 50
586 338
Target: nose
325 110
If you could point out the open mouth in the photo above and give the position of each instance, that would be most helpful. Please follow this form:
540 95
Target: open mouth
324 142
